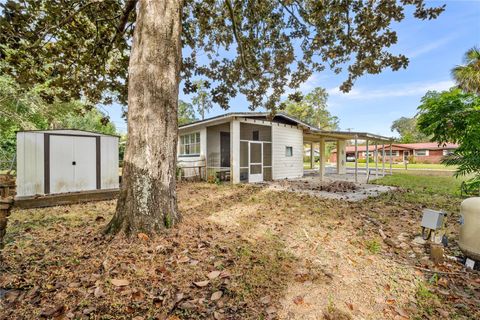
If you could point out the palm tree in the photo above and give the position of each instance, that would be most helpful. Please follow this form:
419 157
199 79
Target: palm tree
467 76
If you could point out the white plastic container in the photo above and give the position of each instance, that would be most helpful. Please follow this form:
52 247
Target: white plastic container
470 228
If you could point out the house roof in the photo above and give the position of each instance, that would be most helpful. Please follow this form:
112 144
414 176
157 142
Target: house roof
265 115
403 146
66 130
312 132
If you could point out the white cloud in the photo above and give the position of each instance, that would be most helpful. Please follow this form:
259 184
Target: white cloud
402 90
428 47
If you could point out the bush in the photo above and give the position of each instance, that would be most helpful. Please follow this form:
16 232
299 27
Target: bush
365 160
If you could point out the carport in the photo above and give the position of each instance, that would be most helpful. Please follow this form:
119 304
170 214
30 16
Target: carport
320 138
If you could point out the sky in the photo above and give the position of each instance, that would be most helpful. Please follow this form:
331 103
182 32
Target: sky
434 47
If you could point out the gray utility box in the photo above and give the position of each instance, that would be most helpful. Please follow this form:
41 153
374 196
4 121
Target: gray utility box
433 219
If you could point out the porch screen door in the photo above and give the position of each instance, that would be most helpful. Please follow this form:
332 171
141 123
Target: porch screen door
255 162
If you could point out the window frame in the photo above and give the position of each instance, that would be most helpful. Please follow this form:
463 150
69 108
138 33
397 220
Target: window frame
421 155
184 146
287 148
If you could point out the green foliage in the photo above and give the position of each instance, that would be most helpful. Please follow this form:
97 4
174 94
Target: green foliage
373 246
83 47
22 109
408 130
370 160
312 109
454 116
90 120
202 99
186 114
467 76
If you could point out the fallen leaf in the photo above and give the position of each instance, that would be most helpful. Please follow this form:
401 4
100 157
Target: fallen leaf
53 311
142 236
120 282
271 310
216 295
183 259
265 300
201 283
298 300
98 293
214 274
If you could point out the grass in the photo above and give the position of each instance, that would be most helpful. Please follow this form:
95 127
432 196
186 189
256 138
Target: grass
431 166
428 184
411 166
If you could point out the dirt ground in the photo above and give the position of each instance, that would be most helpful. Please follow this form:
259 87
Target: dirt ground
241 252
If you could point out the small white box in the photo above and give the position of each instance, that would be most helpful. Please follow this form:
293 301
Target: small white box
433 219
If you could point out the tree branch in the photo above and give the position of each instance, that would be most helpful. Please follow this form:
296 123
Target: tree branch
237 38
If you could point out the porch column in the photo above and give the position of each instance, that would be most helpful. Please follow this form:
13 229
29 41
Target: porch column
383 159
356 159
312 154
341 168
322 158
235 151
376 159
367 157
390 158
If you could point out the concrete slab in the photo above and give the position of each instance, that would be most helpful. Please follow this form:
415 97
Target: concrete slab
311 185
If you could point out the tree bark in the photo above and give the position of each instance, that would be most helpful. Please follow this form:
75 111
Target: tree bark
147 201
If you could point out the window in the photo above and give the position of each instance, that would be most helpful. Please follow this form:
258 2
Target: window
190 144
288 151
421 153
255 135
447 152
394 153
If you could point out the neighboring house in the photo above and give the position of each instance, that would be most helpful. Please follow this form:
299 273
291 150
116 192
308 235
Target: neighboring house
253 147
424 152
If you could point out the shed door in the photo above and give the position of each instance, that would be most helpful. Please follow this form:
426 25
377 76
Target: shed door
85 168
73 164
62 173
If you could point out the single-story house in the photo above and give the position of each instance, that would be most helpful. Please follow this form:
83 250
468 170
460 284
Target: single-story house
256 147
426 152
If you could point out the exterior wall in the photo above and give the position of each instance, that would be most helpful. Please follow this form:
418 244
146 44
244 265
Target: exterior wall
198 160
434 156
283 166
30 168
109 162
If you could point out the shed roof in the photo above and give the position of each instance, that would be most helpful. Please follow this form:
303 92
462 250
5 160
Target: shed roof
66 131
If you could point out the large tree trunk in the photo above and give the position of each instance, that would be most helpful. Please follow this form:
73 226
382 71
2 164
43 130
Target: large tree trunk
147 201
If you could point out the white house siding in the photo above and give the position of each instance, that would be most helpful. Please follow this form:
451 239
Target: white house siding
283 166
190 161
30 169
109 162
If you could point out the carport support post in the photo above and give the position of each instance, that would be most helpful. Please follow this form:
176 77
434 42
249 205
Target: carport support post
376 159
356 159
383 159
367 157
312 160
341 169
235 151
390 158
322 158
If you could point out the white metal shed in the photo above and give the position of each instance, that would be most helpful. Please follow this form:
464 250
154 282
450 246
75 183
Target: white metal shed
59 161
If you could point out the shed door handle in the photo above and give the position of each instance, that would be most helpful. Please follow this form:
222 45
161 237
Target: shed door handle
74 163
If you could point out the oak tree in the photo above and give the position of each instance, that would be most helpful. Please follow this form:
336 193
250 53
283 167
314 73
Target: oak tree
139 52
